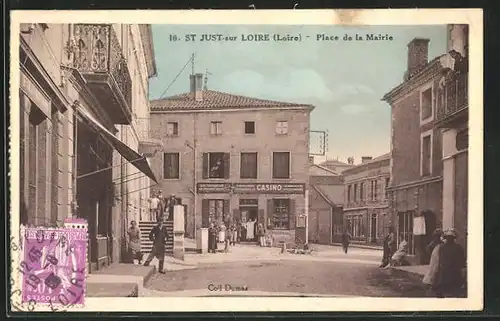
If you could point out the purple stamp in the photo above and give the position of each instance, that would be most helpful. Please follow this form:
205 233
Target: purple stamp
54 265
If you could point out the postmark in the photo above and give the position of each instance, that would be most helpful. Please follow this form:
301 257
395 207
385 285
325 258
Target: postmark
52 267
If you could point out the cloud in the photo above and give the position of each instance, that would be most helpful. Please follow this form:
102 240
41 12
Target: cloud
354 109
346 91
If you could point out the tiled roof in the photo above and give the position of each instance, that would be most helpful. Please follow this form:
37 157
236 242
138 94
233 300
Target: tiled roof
217 100
333 162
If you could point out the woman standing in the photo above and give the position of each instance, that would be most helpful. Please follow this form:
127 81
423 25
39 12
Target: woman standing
134 244
261 235
388 248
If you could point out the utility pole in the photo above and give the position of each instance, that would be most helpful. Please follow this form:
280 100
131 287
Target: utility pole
192 63
207 73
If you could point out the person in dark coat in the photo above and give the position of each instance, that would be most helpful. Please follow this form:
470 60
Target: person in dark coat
346 237
436 240
212 238
158 236
389 248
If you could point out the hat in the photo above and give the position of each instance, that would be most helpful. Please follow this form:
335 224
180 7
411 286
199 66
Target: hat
450 232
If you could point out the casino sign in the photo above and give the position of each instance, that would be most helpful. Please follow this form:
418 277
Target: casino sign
251 188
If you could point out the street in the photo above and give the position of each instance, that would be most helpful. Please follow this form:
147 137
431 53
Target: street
326 273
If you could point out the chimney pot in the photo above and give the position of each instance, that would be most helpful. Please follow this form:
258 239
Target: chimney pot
196 82
418 51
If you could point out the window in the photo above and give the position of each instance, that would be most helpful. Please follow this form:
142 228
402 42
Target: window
426 156
405 229
216 128
373 190
462 140
249 127
281 165
248 168
426 104
349 193
387 181
171 166
356 226
362 192
282 127
355 192
172 129
281 215
216 165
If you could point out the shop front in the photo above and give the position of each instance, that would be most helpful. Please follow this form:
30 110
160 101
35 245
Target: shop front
274 205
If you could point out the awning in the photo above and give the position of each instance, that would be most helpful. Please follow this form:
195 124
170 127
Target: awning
139 161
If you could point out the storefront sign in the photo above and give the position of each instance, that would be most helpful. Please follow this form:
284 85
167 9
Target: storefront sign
208 188
251 188
35 94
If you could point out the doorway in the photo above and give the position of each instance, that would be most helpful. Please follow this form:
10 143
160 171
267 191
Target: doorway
249 216
373 228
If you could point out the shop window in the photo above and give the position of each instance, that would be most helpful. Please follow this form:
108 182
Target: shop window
281 214
281 165
248 165
281 127
171 168
214 211
249 127
216 165
172 129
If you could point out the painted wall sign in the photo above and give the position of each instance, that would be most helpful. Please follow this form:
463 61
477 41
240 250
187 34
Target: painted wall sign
251 188
35 94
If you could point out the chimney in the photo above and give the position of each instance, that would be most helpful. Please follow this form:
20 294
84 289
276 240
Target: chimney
350 160
418 50
365 159
196 82
458 38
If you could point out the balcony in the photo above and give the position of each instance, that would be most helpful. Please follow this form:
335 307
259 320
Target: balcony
97 54
455 105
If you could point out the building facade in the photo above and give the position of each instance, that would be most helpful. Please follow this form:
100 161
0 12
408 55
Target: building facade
416 149
230 157
82 88
452 119
336 165
366 213
326 198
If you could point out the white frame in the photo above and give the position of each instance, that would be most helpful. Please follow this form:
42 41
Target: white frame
289 164
257 165
276 128
254 127
217 125
163 165
173 134
421 91
430 133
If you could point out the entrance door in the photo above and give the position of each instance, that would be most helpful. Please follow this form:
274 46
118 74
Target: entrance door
250 214
373 228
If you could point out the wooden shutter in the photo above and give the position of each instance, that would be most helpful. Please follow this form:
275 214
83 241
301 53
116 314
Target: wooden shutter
205 166
204 213
226 211
226 165
292 214
270 213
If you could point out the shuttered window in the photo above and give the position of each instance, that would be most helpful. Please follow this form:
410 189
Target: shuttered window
171 168
281 165
216 165
248 165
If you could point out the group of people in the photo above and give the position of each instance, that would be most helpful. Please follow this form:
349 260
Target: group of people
158 235
159 206
232 233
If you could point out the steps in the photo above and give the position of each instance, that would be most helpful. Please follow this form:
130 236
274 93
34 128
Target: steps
147 245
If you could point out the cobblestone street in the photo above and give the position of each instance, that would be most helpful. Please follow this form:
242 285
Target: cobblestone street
330 273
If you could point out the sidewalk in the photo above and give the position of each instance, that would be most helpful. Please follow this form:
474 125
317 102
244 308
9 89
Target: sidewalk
413 272
118 280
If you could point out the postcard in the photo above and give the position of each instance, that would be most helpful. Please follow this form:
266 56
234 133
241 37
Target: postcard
251 160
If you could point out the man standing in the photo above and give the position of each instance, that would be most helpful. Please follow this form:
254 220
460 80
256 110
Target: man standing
346 237
158 236
154 203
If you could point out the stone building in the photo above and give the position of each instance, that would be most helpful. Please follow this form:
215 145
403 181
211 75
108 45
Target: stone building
452 118
415 192
229 157
326 198
82 89
336 165
366 214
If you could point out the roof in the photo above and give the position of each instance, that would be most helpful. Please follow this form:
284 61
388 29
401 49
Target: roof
377 159
334 162
330 196
326 171
217 100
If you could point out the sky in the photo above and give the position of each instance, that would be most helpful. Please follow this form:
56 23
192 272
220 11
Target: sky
344 80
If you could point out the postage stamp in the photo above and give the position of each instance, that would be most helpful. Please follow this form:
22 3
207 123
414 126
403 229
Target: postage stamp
300 160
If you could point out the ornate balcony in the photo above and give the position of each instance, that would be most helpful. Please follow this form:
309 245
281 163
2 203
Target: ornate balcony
95 51
454 103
